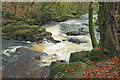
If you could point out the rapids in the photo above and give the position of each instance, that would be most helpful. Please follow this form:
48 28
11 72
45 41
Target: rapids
62 50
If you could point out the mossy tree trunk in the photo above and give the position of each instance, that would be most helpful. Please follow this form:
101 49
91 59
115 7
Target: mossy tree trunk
91 27
107 25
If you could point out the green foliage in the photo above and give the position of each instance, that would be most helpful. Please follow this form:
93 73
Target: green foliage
6 14
58 11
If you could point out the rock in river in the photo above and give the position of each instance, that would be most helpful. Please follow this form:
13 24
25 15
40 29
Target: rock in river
24 63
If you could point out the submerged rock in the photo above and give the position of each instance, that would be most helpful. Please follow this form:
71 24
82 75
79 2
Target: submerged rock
24 63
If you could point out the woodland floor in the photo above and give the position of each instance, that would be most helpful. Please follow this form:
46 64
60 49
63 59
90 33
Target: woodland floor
104 69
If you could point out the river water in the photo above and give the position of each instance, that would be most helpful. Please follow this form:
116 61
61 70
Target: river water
62 50
68 43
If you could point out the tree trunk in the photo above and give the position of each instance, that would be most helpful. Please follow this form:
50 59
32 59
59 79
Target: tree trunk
91 28
107 25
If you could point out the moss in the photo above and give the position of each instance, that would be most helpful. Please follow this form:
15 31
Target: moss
95 55
78 56
24 32
91 28
87 61
65 70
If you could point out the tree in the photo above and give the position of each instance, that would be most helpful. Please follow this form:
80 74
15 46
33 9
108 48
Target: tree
91 28
107 25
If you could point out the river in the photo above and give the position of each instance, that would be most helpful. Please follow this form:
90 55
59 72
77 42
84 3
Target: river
73 35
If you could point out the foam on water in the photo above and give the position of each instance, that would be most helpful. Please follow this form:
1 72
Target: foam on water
10 50
62 50
56 32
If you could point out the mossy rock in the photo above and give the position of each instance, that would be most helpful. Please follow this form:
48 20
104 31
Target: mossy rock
87 61
65 70
78 56
95 55
25 32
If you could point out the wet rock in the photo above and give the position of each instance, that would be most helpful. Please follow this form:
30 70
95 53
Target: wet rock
85 30
57 62
78 56
52 40
77 41
73 33
24 63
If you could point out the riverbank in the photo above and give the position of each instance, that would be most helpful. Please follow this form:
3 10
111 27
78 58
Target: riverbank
85 67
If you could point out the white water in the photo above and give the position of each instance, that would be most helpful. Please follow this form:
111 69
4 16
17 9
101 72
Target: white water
62 50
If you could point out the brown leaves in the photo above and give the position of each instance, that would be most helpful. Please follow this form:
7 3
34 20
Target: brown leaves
110 70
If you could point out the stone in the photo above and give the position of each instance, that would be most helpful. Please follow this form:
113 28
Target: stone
77 41
65 70
57 62
78 56
24 63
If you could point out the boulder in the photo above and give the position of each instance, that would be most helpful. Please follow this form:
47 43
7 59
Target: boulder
78 56
67 71
24 63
